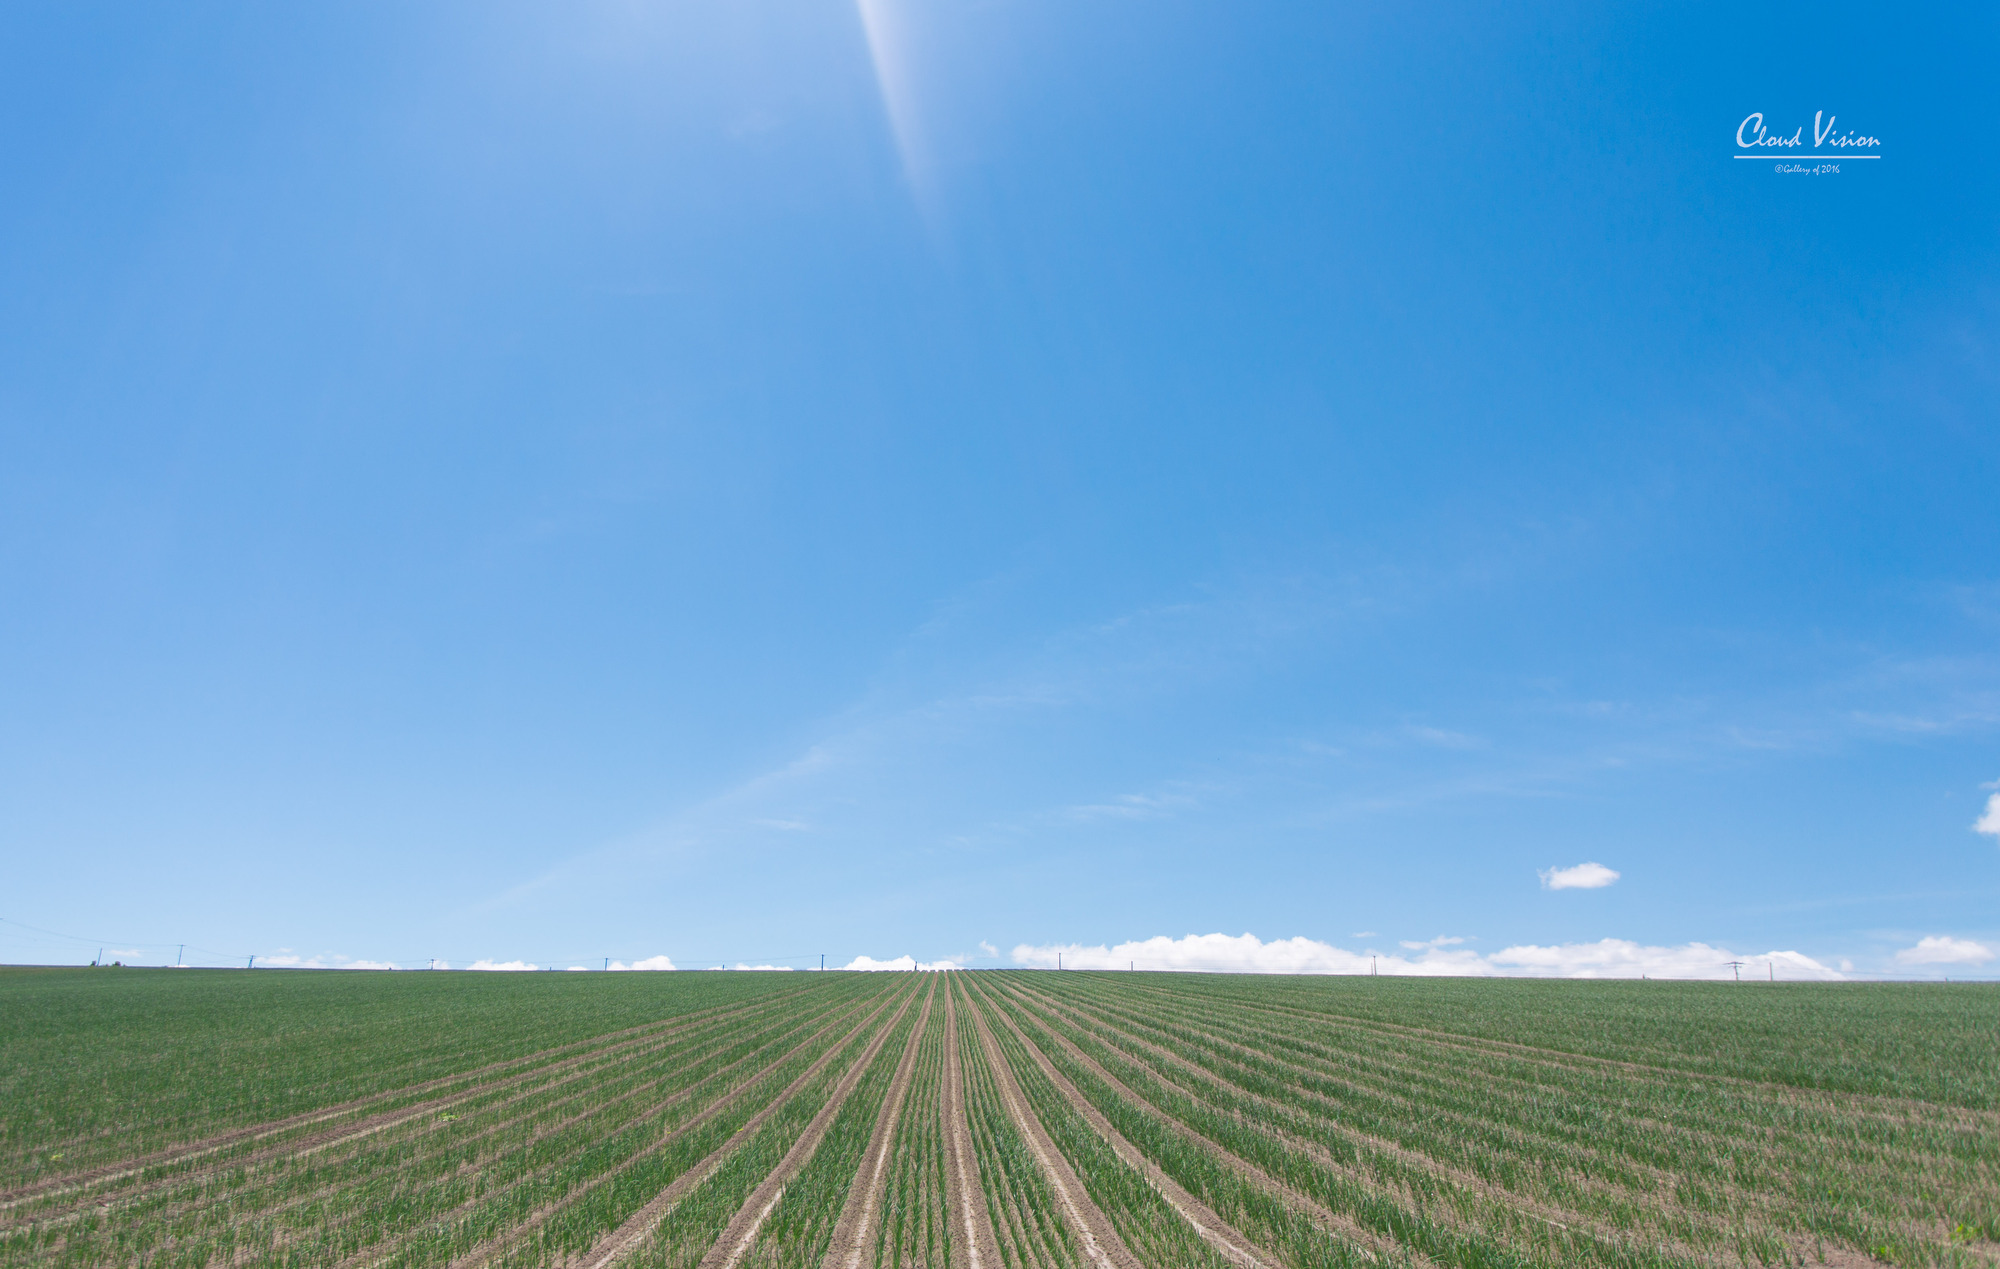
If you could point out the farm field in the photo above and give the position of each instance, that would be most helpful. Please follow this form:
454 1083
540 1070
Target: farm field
990 1120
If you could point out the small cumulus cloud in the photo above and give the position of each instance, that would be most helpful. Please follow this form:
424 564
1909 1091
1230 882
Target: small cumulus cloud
764 969
1937 949
988 948
502 966
868 964
1989 822
1247 954
1587 876
1362 934
650 963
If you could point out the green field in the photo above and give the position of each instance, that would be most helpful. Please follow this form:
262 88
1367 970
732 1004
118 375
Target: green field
990 1121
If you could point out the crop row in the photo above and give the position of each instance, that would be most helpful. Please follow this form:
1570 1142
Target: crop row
695 1224
1724 1153
1565 1162
435 1186
913 1229
88 1081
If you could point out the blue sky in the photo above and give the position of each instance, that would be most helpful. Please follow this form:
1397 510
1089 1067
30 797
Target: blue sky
970 480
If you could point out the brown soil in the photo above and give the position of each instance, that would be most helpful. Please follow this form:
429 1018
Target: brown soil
965 1199
1101 1244
864 1195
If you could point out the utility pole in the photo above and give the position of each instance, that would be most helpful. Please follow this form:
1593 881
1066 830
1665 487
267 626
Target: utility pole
100 957
249 964
180 955
1736 969
1371 967
1773 967
1058 960
822 962
607 964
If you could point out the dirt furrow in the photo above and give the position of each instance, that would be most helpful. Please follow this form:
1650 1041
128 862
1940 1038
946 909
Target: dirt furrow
636 1226
270 1128
742 1229
1101 1243
965 1200
850 1232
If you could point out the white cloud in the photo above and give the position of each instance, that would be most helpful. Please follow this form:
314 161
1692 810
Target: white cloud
502 965
780 969
1938 949
1442 940
285 958
1990 821
1590 876
576 969
651 962
870 964
1362 934
1622 958
988 948
1247 954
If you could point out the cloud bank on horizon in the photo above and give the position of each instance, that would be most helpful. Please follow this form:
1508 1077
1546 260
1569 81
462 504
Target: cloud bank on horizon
1440 957
1942 950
